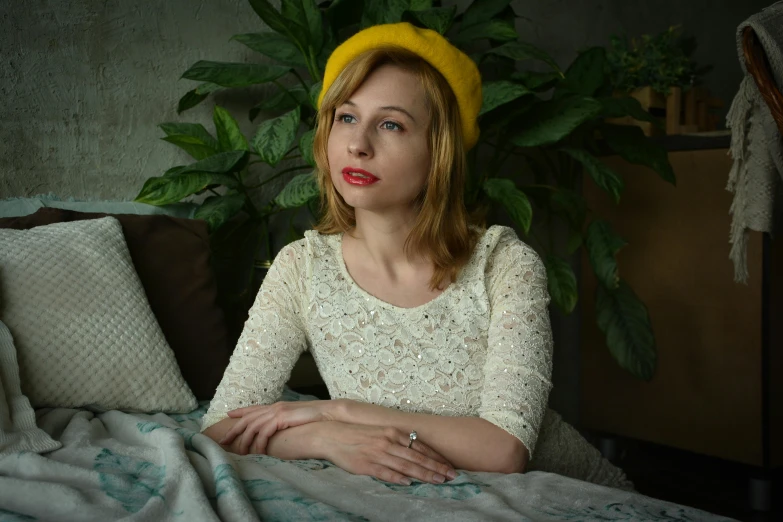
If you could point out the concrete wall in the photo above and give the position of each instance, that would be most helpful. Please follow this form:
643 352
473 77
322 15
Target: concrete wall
86 82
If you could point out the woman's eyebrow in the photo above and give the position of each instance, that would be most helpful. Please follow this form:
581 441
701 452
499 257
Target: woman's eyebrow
387 108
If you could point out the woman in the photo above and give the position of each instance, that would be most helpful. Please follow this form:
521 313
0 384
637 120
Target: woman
432 335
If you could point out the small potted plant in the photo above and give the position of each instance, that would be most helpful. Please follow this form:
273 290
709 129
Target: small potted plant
658 71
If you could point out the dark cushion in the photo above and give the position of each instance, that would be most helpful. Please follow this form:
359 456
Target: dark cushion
172 258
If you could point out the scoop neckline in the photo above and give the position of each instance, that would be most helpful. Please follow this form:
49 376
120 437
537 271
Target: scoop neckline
369 297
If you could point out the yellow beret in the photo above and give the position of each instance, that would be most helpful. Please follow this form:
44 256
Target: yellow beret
459 70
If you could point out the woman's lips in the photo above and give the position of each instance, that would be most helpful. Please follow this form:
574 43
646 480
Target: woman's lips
354 176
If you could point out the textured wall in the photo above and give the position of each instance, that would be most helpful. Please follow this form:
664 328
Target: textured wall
85 83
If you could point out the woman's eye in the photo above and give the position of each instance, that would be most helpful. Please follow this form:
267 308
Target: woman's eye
390 125
345 118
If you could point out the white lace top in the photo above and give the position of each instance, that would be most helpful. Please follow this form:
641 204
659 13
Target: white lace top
482 348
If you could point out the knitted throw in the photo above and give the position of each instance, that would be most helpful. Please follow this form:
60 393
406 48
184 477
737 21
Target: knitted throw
756 145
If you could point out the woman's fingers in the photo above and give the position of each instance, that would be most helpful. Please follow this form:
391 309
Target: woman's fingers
431 453
400 470
417 465
237 429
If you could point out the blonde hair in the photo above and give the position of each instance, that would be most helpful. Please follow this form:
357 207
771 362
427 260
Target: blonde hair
442 231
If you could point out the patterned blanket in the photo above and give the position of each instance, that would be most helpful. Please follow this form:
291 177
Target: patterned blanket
117 465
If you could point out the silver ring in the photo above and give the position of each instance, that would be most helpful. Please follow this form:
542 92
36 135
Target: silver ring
413 437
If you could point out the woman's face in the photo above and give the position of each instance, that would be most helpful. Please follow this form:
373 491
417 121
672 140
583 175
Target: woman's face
379 158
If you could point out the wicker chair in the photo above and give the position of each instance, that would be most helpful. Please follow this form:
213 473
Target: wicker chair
758 67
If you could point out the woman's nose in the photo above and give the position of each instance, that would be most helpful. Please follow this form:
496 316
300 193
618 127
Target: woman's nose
360 144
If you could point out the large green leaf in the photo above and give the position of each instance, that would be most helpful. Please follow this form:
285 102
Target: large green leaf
229 135
315 92
274 137
196 96
512 114
193 138
633 146
219 163
602 246
234 74
306 147
438 19
482 11
305 15
551 121
273 45
216 210
569 204
193 146
627 106
298 191
495 94
498 30
513 200
537 81
390 11
520 51
174 187
561 281
624 319
196 130
574 241
586 74
603 176
282 101
280 24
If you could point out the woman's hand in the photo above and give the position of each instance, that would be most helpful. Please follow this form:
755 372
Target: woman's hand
382 452
258 423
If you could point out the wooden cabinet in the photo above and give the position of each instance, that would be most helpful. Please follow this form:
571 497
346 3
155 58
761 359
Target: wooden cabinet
718 389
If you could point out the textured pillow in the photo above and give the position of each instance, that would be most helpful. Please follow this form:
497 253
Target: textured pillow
84 331
18 431
172 260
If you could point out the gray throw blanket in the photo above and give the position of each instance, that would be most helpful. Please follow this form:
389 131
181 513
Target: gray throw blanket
756 145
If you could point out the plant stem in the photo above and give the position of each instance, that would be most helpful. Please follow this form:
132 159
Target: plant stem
301 80
268 241
312 66
285 90
278 174
250 207
550 164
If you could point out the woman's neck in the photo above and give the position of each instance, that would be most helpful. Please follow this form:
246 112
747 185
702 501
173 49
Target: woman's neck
381 243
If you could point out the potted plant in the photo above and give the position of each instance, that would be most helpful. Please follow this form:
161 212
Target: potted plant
540 132
658 70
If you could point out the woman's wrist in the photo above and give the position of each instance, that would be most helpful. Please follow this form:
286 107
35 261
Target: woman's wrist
298 443
338 410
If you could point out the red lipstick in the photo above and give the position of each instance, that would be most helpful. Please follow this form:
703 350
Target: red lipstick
356 176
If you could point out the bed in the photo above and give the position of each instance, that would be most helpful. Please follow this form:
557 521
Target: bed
107 322
117 465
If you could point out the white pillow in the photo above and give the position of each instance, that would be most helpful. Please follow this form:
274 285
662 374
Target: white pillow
85 334
18 431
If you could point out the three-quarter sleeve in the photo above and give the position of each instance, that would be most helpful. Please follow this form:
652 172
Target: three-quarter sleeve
271 342
518 368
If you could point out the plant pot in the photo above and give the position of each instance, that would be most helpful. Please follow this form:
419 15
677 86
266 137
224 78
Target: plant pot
683 113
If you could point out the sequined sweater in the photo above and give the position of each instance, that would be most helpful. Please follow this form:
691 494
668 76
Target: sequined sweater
483 347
